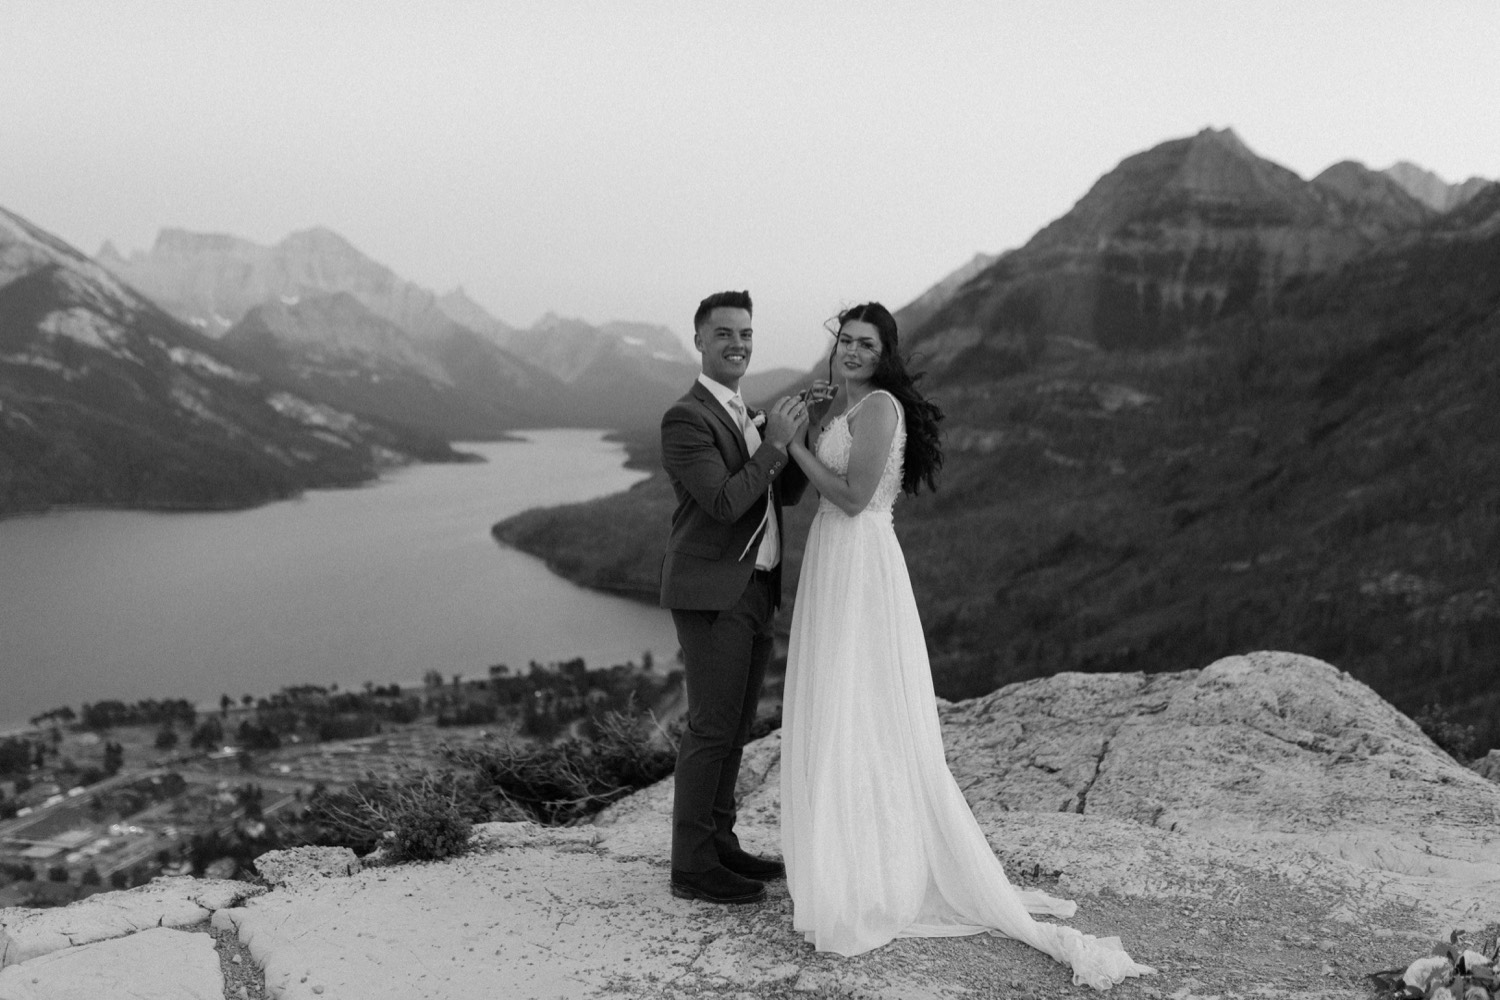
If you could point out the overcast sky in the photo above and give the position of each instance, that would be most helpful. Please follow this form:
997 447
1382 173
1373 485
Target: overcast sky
621 160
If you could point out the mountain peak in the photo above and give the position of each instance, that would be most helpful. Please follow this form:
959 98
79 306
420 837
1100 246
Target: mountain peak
1211 178
1371 200
211 280
1218 166
1430 189
320 240
1225 138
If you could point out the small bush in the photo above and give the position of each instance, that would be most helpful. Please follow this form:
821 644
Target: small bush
427 816
573 779
437 829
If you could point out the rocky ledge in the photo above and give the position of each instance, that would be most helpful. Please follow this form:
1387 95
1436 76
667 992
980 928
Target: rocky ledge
1266 826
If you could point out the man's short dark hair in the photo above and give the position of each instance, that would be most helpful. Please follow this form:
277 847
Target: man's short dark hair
719 300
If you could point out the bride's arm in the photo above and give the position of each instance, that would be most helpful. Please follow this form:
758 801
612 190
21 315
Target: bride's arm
872 429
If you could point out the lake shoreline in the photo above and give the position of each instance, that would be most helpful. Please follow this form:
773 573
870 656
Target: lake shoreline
455 457
336 585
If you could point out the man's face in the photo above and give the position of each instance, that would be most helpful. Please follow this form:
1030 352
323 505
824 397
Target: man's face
724 342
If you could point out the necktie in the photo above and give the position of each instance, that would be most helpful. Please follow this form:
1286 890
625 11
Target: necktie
752 436
768 552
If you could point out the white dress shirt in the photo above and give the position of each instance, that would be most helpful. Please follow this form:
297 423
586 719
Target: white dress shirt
769 553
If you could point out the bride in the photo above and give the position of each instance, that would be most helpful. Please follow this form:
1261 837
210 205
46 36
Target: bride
878 840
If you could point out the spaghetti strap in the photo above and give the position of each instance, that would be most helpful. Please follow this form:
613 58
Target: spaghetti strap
874 392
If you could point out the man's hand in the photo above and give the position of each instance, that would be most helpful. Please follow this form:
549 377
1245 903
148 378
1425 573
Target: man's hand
785 420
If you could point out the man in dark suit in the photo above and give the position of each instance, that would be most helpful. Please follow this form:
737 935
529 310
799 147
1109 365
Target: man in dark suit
721 578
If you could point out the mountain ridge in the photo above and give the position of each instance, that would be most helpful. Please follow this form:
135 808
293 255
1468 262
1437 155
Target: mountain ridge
1171 239
558 372
108 400
1428 187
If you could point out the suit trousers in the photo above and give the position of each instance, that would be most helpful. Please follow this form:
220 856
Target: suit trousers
725 654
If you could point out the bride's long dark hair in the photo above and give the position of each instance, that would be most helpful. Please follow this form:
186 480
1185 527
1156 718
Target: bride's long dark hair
924 448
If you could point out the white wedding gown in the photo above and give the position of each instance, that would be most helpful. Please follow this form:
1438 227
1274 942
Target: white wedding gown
878 840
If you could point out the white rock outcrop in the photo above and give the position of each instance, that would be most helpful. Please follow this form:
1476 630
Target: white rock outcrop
298 863
1488 766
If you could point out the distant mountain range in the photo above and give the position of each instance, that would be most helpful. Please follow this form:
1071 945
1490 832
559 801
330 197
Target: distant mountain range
106 399
1212 408
489 377
311 319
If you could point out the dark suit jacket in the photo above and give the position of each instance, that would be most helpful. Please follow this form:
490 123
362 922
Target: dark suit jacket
721 499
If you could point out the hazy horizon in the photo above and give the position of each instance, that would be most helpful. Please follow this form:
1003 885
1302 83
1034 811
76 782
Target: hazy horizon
620 162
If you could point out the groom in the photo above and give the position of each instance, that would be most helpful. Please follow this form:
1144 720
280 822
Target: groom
721 578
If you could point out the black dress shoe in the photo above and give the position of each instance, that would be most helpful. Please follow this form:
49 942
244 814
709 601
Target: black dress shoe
748 865
717 885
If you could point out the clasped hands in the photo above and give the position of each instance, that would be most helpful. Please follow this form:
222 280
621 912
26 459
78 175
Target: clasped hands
786 421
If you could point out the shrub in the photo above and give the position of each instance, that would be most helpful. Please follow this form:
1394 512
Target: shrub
346 727
435 829
253 736
427 816
570 780
15 755
208 736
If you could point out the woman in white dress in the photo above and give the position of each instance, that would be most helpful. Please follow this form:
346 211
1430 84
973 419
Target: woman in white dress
878 840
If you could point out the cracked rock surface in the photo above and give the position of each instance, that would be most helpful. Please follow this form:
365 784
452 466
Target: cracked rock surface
1268 754
163 902
158 963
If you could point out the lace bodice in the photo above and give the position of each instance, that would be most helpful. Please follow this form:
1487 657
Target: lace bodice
833 451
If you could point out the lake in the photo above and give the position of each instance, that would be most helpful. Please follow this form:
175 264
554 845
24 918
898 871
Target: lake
380 583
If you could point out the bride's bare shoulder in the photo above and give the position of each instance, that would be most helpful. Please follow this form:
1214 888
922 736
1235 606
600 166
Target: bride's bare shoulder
880 416
889 405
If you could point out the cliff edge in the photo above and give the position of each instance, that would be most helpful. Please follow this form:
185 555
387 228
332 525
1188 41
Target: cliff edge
1265 826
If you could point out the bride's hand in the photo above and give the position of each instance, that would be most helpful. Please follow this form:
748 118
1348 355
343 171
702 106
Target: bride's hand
819 398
